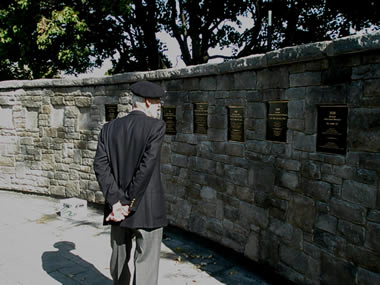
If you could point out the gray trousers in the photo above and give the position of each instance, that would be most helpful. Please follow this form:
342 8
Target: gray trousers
146 257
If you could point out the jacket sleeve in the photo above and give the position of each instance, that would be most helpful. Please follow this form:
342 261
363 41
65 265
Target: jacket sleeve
102 167
142 176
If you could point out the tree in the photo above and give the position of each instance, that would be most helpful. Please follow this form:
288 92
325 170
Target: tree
200 25
300 22
135 28
40 39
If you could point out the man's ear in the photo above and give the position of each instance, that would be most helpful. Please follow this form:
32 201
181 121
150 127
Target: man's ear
147 102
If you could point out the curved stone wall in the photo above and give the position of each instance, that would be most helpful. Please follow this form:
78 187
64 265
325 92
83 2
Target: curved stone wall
310 213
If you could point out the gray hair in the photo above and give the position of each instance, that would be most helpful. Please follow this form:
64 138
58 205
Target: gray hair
137 99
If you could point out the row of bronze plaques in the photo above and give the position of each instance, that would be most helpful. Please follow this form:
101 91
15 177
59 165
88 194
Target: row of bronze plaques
200 120
331 124
331 129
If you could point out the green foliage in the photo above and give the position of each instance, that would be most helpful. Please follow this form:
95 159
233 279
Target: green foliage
42 39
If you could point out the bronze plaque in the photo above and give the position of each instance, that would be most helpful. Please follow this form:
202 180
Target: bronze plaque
277 121
332 129
236 123
200 116
169 116
111 112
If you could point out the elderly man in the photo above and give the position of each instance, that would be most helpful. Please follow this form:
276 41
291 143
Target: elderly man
127 167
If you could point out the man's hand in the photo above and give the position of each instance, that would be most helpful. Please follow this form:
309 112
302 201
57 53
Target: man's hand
119 212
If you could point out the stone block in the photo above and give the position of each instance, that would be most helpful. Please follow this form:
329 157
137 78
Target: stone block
234 149
257 110
365 176
359 193
352 233
231 213
304 79
191 83
208 83
364 140
327 223
367 71
288 164
57 100
344 171
300 262
173 85
6 119
71 112
372 236
56 117
258 146
297 125
7 161
318 190
206 165
250 214
372 88
302 212
336 271
374 216
304 142
265 78
245 80
236 175
369 160
286 232
365 277
224 82
57 191
214 227
311 169
183 148
217 121
269 248
289 180
82 102
208 193
296 109
245 194
251 249
348 211
216 135
363 257
179 160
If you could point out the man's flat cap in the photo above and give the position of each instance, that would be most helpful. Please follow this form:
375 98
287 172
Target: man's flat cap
147 89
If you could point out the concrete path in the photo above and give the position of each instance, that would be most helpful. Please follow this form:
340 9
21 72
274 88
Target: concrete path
37 246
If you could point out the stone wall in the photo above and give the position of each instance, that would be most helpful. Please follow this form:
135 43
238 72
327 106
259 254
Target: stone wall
312 216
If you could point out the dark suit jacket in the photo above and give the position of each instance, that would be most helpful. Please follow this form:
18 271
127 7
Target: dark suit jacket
127 167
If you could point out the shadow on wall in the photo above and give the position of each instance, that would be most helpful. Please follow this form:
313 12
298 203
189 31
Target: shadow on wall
68 268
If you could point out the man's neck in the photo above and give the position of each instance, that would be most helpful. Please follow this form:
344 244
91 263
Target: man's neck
139 109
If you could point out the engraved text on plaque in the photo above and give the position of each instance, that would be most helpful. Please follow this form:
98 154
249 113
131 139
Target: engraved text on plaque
332 129
236 123
200 118
277 121
169 116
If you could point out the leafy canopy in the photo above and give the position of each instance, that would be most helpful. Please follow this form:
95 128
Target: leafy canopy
42 39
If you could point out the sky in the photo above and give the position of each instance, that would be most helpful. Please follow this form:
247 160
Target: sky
173 52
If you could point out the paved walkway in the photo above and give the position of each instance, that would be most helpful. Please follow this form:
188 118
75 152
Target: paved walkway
37 246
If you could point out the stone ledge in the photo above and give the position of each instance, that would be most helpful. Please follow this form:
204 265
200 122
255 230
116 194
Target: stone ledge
346 45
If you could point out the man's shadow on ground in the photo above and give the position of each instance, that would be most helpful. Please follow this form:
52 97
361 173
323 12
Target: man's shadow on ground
68 268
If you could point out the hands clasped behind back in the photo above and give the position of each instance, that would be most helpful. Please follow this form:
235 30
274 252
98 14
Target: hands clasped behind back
119 212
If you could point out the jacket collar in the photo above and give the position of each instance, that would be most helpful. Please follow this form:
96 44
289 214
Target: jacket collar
137 113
